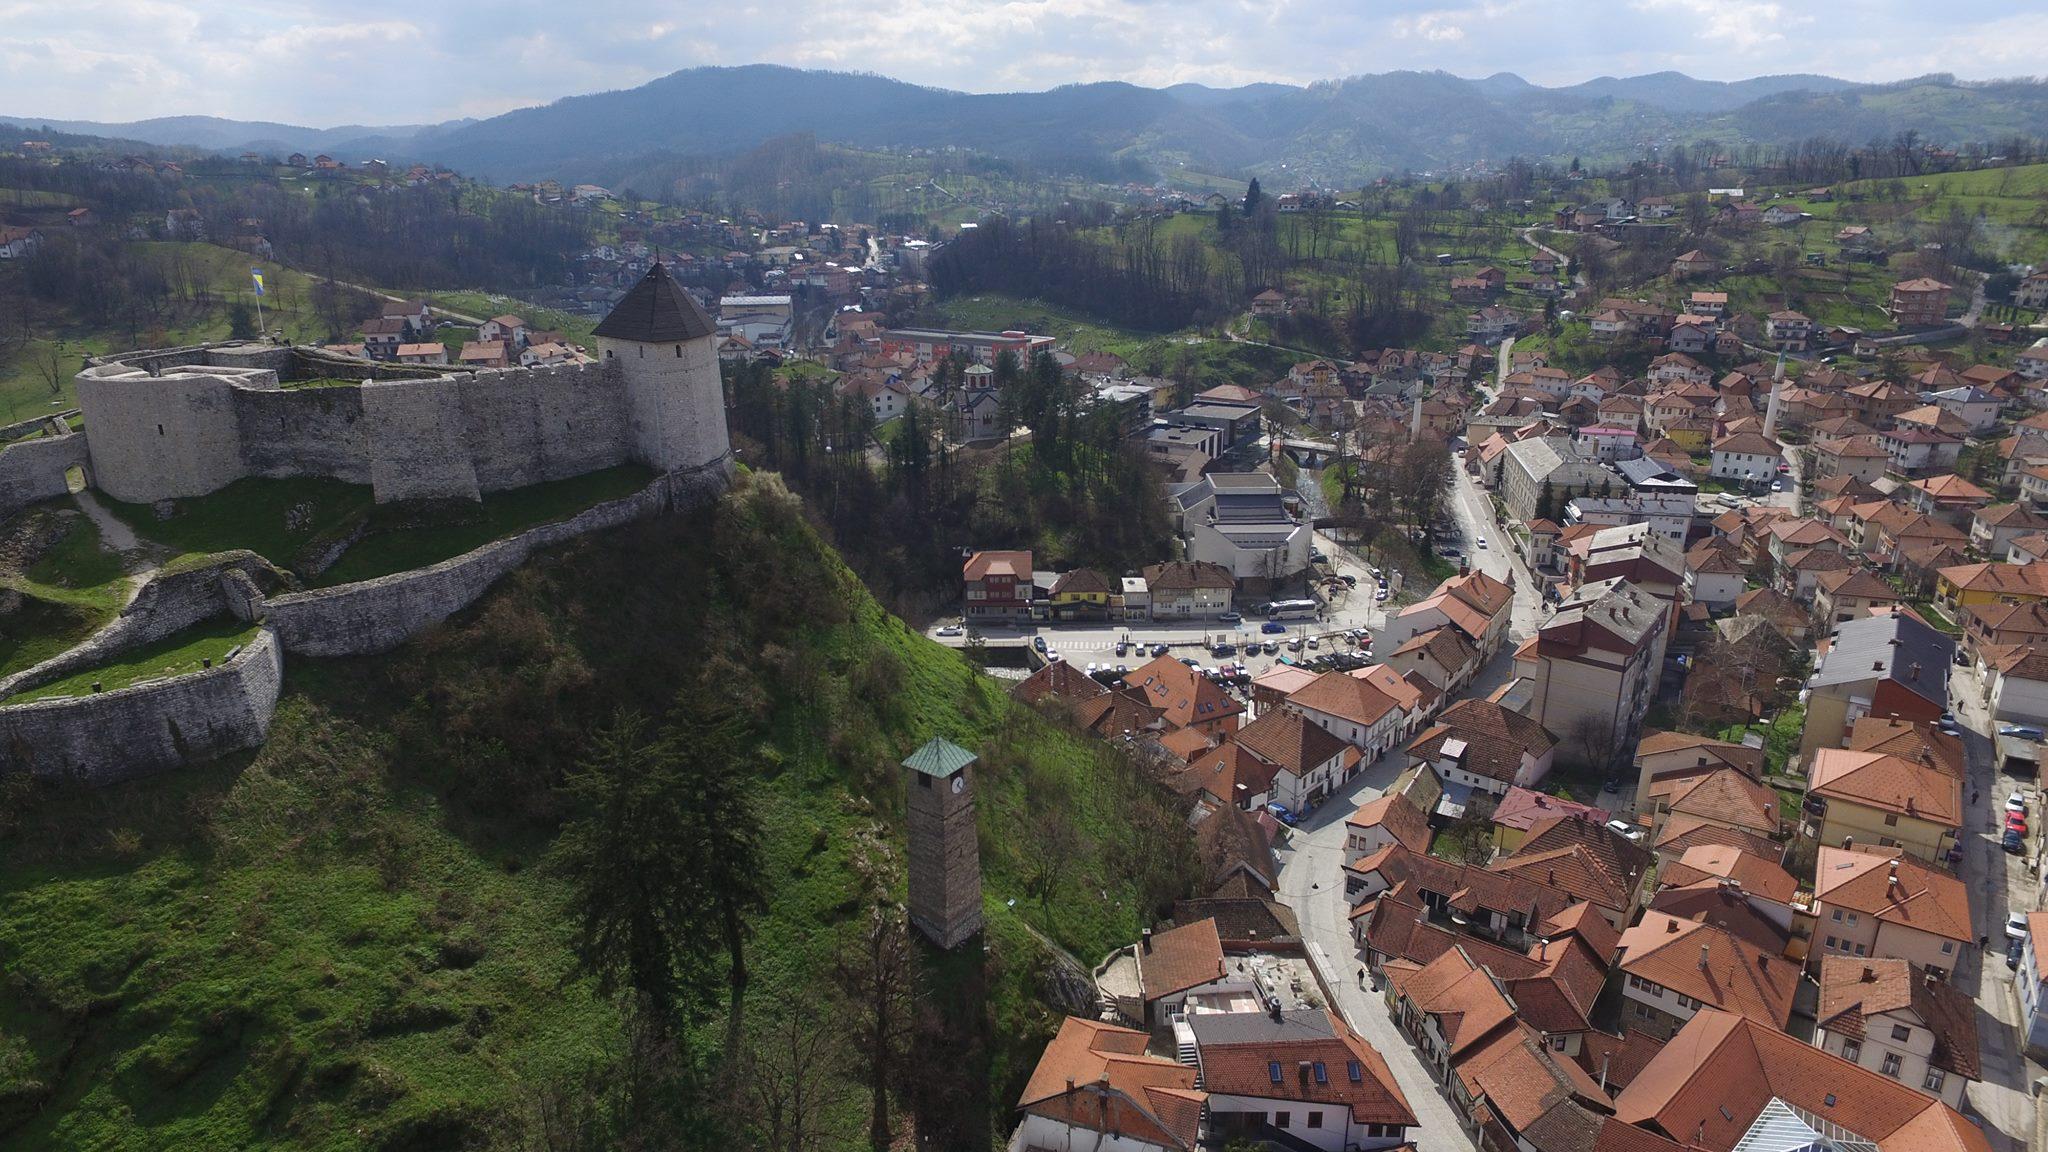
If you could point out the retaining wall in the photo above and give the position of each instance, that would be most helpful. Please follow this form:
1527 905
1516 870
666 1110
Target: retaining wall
33 470
147 728
169 603
378 615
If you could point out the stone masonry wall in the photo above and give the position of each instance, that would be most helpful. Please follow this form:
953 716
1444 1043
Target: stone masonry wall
378 615
185 422
169 603
304 432
33 470
147 728
419 441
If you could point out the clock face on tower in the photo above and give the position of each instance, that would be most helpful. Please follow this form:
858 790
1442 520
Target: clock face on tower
959 785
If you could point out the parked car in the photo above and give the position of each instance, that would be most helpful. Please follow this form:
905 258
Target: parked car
2020 731
1481 541
1038 642
1314 642
1191 662
952 630
1380 597
1231 617
2017 802
1784 469
1123 647
1223 650
2015 822
2014 949
1349 580
2016 926
1777 485
1281 814
1625 829
1159 649
1950 727
2013 842
1294 645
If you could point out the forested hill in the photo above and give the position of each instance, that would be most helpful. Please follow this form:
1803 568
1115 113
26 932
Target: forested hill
1337 131
367 934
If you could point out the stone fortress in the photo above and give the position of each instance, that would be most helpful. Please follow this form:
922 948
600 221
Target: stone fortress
180 423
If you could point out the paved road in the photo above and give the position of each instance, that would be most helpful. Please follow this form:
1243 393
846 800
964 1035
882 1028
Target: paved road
1998 884
1311 883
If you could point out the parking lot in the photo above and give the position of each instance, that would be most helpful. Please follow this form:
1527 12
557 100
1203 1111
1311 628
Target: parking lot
1349 611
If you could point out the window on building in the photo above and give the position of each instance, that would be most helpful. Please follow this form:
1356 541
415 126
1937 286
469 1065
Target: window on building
1356 1072
1859 950
1852 919
1315 1119
1273 1070
1948 947
1557 1043
1901 1033
1283 1119
1322 1073
1891 1064
1836 915
1831 941
1891 819
1935 1079
1852 1050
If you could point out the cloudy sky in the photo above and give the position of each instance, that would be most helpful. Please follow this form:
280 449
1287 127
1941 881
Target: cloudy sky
383 62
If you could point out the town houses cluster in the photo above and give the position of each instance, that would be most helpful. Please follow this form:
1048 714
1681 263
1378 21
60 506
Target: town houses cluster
1686 832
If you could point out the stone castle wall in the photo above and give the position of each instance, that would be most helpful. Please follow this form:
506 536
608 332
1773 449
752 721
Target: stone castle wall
378 615
147 728
169 603
33 470
187 422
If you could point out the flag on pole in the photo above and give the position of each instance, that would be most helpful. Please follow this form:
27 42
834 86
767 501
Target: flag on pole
256 274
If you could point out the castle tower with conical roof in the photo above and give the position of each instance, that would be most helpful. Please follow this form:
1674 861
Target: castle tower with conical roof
666 349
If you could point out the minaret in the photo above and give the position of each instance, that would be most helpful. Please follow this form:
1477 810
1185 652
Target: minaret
945 859
1771 405
667 352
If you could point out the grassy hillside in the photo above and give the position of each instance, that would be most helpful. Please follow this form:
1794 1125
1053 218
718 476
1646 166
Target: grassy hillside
350 939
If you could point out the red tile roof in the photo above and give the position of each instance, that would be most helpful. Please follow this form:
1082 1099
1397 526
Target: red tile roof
1711 966
1927 898
1179 959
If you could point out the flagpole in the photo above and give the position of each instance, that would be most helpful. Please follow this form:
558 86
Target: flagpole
256 275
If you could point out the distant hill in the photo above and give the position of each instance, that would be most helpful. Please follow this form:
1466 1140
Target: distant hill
1336 131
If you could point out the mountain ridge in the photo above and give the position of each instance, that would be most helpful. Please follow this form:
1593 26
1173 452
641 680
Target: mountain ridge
1333 131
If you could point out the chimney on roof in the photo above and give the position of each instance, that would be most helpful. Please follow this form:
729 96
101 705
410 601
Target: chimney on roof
1704 954
1670 925
1145 941
1916 669
1869 975
1301 1071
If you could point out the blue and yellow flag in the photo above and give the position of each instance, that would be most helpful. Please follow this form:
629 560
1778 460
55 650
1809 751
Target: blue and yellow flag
256 274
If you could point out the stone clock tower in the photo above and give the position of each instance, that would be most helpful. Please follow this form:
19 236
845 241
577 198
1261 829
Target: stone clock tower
945 861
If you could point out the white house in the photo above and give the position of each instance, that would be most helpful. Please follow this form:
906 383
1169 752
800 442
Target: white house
1746 456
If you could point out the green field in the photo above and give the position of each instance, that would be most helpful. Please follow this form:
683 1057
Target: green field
348 940
71 591
444 534
485 305
174 655
276 519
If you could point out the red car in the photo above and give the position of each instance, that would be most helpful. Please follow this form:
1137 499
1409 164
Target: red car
2014 822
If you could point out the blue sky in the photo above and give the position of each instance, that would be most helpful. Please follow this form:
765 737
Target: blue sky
382 62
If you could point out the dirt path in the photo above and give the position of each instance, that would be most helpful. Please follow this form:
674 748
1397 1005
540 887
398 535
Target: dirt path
115 534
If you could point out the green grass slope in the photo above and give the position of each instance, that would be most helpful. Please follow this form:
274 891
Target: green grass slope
350 939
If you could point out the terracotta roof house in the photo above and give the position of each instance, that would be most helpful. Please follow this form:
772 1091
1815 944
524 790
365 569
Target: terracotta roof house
1058 680
1522 809
1391 819
1878 798
1230 774
1482 745
1521 1093
1178 961
1356 711
1910 740
1682 832
1186 697
1308 761
1096 1082
1881 902
1451 1007
1675 968
1587 861
1724 796
1300 1071
1725 1078
1756 875
1891 1016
